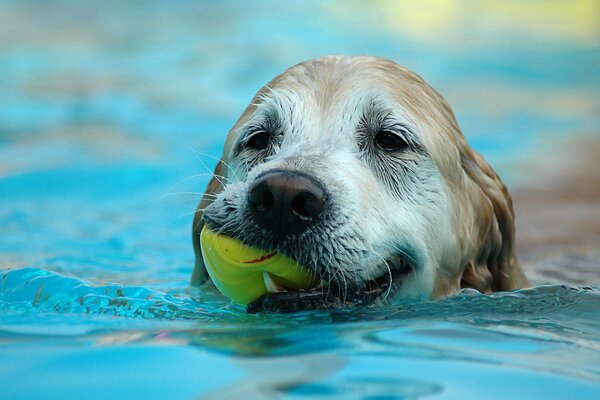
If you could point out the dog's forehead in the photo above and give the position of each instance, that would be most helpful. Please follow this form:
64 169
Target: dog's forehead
321 100
334 90
336 84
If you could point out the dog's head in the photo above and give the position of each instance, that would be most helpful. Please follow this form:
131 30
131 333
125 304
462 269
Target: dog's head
357 169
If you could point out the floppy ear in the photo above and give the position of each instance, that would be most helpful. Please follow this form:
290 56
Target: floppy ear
492 266
199 276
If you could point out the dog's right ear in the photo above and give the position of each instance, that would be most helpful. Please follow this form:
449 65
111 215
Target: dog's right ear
215 186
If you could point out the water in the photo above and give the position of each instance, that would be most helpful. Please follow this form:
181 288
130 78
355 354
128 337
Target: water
75 338
109 121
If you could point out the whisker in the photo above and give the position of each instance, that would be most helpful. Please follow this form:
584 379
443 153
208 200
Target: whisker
405 254
217 177
389 289
180 193
328 269
197 154
192 177
229 168
345 296
187 214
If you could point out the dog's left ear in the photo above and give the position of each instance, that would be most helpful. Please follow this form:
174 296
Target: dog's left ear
215 186
484 217
492 264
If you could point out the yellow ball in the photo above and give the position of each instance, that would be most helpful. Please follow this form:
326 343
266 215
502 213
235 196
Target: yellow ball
243 273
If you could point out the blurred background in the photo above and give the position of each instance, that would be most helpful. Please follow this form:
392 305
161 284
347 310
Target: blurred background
111 114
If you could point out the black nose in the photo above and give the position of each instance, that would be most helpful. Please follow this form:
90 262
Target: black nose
286 202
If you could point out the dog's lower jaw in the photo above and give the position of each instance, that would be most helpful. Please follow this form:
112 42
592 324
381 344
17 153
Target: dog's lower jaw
333 296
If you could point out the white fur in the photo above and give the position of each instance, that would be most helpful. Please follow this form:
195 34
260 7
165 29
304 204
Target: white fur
319 105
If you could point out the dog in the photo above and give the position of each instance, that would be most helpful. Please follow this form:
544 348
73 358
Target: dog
357 169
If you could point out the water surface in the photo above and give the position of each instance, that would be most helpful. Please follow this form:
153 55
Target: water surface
111 117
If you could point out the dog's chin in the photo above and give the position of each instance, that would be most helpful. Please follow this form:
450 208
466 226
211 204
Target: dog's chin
336 294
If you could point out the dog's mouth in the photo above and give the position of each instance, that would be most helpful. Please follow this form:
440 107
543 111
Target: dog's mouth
334 294
335 289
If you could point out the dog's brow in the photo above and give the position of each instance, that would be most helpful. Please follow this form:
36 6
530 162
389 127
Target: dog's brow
377 116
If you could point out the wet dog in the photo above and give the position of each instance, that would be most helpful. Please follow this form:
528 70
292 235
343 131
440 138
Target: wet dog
356 168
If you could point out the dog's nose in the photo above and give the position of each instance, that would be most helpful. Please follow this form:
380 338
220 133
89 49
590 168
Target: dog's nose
286 202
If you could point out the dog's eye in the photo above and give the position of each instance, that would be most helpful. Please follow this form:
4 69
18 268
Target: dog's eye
389 141
259 140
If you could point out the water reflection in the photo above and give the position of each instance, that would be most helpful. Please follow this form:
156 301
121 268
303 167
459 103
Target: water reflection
268 378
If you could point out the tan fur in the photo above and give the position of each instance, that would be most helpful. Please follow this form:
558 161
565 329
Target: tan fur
483 218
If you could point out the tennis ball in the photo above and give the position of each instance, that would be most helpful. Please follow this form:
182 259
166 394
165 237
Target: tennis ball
243 273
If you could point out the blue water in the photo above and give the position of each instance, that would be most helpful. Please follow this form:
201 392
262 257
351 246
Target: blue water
111 118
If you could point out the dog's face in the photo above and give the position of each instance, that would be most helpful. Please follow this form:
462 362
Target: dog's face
356 168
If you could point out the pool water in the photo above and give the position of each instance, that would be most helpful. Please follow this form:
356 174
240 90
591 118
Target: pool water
111 120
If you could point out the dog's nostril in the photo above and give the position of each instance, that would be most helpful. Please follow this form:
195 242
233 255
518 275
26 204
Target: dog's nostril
262 199
299 206
307 206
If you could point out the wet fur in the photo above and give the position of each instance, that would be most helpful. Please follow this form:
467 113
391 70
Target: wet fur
439 206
